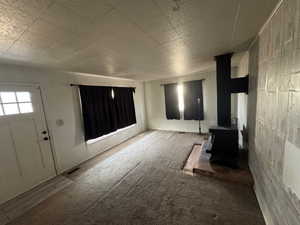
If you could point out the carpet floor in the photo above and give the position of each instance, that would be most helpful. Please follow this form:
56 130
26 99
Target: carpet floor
141 182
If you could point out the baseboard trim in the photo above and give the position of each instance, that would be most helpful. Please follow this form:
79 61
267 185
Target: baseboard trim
258 196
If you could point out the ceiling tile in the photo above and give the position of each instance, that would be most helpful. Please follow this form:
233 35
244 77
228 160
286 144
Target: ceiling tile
5 43
119 34
12 30
52 33
196 15
56 42
66 18
64 50
47 30
92 9
26 49
33 7
7 2
162 34
13 22
10 14
26 53
149 18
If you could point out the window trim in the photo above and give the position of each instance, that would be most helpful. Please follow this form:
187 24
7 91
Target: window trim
94 141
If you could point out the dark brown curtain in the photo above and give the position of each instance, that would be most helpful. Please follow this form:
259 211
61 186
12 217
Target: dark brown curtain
124 106
171 101
99 113
193 109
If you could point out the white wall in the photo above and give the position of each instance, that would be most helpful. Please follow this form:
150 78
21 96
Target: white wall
62 103
242 98
274 112
155 104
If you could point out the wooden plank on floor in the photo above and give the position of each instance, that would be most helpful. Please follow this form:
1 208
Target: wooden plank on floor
193 159
199 163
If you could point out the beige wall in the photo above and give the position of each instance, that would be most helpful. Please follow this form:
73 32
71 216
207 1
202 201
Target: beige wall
274 116
155 104
62 103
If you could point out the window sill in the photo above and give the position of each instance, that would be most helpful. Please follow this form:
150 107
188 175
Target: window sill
93 141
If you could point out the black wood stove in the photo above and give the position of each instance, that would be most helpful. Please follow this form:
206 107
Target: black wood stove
225 148
224 137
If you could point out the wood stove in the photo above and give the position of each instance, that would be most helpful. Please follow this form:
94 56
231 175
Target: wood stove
224 137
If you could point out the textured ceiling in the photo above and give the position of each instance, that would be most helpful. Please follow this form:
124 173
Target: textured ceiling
139 39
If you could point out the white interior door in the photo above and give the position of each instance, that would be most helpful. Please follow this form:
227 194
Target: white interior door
26 157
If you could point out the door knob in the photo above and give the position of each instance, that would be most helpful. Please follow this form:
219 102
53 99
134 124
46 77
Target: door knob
46 138
44 132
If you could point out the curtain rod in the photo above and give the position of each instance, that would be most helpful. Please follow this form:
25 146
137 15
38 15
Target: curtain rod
167 84
76 85
180 82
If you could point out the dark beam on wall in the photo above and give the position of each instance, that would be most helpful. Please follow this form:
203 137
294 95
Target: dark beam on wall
223 92
239 85
225 87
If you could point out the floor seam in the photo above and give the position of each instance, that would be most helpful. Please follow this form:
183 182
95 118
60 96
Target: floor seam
116 184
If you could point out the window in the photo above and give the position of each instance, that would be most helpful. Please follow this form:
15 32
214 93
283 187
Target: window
193 100
106 109
172 101
112 94
12 103
184 101
180 97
